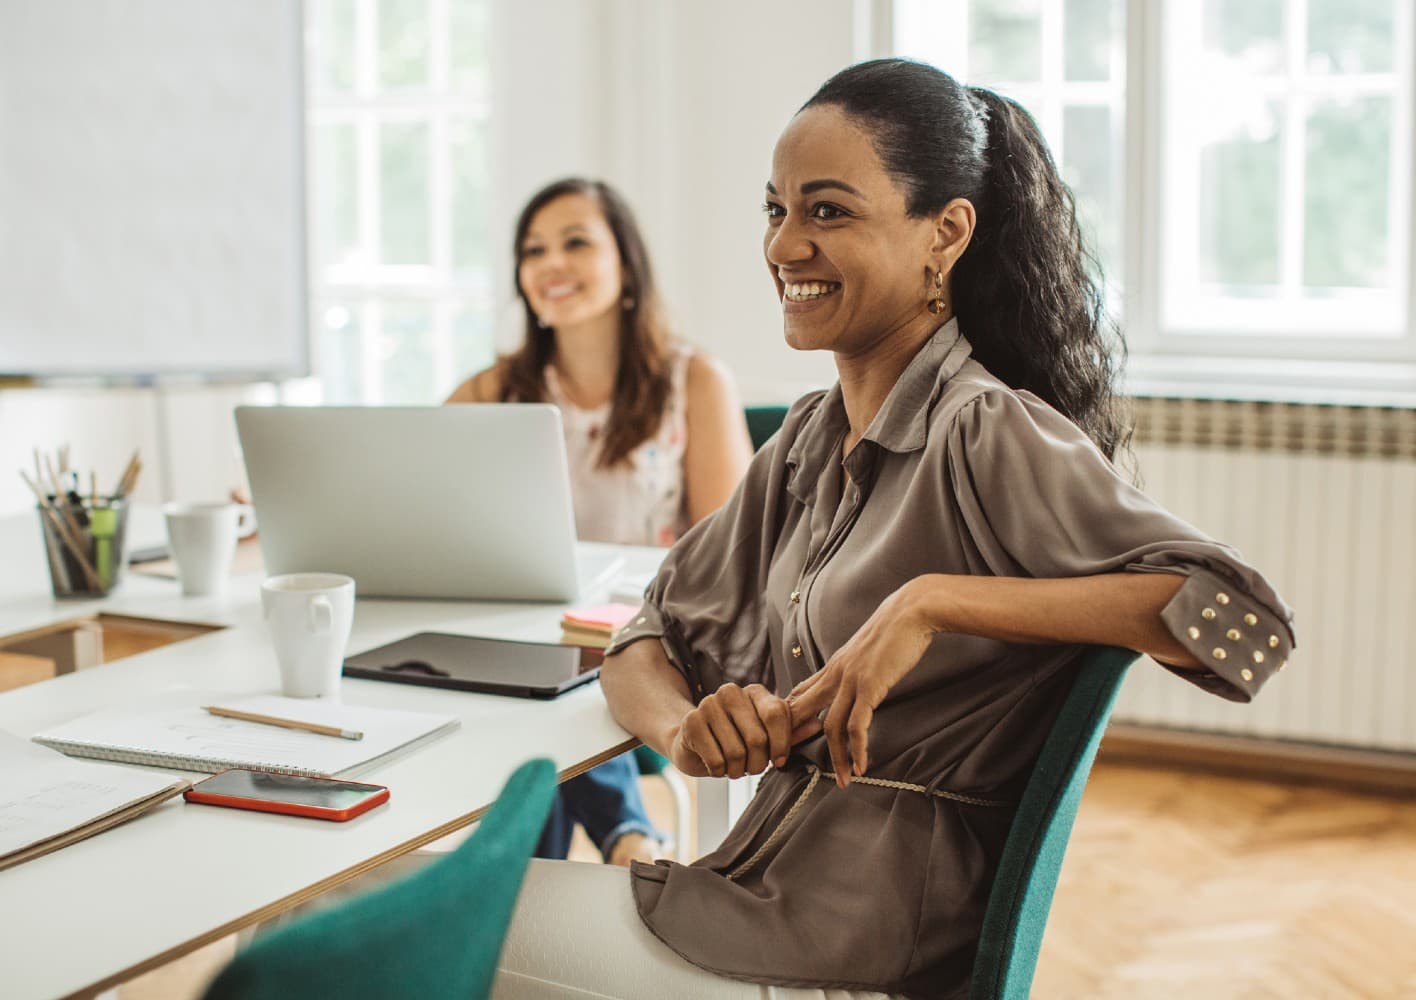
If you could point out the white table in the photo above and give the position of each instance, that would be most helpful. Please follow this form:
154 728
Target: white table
103 910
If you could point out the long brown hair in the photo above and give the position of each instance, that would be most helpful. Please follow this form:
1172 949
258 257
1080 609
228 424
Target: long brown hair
642 385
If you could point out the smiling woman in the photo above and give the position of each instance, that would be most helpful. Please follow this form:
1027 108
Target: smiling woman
654 434
886 617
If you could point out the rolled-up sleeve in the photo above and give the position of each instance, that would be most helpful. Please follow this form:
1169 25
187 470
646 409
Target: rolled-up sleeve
705 606
1040 500
652 623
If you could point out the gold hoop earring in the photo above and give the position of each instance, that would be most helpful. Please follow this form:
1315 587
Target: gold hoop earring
937 304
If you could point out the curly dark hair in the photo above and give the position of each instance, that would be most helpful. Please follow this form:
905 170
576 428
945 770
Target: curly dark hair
1024 290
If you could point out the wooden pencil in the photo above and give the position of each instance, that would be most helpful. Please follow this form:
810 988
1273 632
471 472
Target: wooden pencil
274 720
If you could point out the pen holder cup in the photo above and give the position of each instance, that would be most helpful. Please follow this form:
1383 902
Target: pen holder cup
84 545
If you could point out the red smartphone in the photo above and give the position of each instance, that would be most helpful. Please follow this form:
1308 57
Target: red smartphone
292 794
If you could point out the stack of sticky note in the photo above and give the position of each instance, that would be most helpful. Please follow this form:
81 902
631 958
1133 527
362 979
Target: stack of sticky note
594 626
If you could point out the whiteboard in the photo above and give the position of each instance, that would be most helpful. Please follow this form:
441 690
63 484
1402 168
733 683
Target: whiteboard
152 208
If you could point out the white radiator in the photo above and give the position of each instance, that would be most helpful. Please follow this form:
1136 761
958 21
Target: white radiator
1322 499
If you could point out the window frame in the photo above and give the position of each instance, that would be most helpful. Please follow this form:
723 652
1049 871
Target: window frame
1318 357
367 287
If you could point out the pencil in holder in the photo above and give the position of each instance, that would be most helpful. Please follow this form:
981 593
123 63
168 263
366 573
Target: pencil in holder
85 545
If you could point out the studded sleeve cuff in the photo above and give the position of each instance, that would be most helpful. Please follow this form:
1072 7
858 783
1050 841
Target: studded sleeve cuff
651 623
1240 642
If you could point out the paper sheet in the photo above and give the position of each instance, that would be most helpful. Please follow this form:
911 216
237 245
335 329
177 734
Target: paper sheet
44 794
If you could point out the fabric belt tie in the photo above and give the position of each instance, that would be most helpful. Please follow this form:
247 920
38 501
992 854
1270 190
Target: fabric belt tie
815 772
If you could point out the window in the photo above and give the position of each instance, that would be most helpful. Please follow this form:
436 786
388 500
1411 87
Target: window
398 168
1243 166
1065 63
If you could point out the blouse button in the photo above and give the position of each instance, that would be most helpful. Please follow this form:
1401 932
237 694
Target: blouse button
1251 619
1232 635
796 652
1222 597
1219 654
1247 674
1207 614
796 596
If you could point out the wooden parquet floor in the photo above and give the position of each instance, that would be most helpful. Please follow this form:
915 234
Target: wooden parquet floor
1185 886
1179 886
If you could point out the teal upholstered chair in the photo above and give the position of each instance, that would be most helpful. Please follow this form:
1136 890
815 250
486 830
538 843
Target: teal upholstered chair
434 934
1032 855
763 422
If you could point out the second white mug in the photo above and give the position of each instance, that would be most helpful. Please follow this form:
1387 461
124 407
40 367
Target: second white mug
202 537
310 616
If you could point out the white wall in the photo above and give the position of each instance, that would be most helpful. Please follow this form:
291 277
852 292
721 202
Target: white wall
693 141
678 104
186 435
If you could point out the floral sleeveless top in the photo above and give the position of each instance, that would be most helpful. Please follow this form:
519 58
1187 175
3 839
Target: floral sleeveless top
643 501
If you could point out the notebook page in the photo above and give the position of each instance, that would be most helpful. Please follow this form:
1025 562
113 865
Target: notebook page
44 794
187 737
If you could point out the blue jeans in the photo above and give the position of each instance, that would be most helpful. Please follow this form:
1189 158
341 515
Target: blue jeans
605 800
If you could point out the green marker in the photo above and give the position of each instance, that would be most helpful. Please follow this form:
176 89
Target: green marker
103 525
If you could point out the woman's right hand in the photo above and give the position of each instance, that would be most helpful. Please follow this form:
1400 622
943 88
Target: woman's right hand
736 731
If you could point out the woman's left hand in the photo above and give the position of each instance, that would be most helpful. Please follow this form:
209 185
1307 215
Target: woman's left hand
857 678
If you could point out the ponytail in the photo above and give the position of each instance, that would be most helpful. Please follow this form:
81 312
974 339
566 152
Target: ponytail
1024 289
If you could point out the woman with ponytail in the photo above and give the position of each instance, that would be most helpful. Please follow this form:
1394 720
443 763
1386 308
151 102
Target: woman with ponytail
885 618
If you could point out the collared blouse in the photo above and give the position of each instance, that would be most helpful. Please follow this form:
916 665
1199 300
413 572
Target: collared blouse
883 886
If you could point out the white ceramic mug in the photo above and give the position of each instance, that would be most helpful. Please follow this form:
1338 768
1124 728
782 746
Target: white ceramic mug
202 537
310 615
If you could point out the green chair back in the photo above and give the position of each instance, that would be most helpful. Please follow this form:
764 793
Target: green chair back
435 934
649 760
1032 855
763 422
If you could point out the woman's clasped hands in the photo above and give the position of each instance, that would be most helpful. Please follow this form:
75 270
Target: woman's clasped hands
738 730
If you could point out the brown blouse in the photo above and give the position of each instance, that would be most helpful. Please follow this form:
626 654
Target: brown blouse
883 886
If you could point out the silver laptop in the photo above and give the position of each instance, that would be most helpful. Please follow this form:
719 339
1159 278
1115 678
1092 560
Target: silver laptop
468 501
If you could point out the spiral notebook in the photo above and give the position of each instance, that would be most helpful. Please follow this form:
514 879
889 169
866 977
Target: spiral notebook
186 738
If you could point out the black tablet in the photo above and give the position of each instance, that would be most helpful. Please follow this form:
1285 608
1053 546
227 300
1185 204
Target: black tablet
472 663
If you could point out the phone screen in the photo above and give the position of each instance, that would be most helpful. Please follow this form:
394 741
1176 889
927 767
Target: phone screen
320 793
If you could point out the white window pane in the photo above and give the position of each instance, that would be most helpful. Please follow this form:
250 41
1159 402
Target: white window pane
1005 40
472 343
1087 167
404 44
1089 27
406 354
468 141
403 173
468 45
1240 210
1250 31
1345 210
1351 36
930 31
340 354
332 29
336 194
